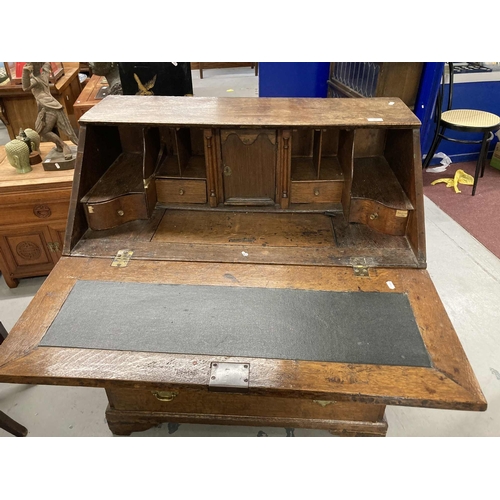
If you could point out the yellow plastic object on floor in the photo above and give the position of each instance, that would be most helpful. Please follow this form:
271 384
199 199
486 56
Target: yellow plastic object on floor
461 177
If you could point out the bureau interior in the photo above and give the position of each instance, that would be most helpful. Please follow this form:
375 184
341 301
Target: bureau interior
346 188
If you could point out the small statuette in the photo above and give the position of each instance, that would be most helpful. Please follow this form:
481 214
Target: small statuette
18 155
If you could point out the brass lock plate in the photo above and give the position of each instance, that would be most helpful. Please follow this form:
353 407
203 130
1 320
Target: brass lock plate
227 171
229 377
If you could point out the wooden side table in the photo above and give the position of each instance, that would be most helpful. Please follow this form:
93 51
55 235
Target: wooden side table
18 109
87 99
33 213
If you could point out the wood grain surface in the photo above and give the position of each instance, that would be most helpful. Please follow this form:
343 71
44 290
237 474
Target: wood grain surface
289 230
38 178
249 111
449 384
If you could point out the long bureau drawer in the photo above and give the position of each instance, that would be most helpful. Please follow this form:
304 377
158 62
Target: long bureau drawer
213 403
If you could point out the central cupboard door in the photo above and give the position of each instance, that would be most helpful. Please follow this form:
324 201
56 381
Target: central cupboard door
249 158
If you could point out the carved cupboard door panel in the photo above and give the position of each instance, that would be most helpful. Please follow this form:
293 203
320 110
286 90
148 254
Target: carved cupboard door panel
249 166
27 249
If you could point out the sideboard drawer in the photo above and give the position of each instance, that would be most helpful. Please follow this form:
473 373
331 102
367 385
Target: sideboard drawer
34 212
27 208
181 191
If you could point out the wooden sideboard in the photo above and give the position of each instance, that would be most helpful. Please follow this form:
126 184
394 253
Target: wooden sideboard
18 109
246 261
33 214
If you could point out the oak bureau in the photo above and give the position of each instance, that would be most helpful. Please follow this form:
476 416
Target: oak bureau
246 261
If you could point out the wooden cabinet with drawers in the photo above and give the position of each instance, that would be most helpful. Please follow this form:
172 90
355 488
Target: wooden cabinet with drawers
33 213
244 261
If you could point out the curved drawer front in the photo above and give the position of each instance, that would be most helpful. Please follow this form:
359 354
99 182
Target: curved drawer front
379 217
115 212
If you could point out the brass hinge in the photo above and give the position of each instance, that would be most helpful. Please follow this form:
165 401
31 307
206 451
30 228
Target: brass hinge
361 271
147 181
53 246
122 258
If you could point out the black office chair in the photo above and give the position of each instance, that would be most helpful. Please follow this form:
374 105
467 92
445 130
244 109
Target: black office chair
6 423
462 120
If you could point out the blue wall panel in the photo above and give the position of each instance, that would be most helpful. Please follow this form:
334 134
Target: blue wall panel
293 79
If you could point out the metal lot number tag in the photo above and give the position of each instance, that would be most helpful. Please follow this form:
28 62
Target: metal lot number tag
229 377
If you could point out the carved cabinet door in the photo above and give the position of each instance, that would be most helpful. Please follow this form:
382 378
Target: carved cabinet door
249 158
27 250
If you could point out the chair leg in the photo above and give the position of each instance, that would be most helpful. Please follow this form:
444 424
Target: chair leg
11 426
3 333
433 148
479 164
486 152
201 71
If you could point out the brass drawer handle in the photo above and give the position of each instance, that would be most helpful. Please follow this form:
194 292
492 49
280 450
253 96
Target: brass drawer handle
374 216
323 403
121 213
181 191
164 395
316 192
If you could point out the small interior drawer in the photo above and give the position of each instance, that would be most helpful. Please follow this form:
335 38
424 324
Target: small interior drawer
115 212
316 192
181 191
379 217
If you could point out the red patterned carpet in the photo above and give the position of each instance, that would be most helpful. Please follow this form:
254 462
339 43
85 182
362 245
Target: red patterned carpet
479 214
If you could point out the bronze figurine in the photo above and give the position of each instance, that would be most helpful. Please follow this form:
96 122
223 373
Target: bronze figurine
50 110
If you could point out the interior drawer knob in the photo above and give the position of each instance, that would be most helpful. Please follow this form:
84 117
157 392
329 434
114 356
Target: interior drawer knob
166 396
374 216
181 191
316 192
121 213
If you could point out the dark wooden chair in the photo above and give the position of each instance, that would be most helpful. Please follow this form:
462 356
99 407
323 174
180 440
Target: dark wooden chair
462 120
6 423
